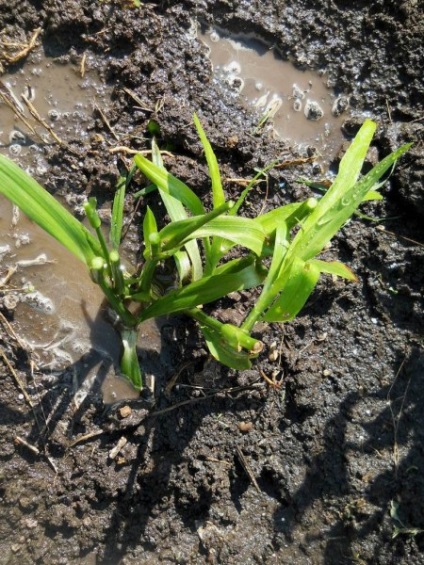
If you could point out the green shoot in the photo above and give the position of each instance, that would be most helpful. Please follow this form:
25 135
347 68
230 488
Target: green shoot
276 252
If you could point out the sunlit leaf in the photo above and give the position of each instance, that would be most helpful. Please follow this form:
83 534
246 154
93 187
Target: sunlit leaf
118 213
301 282
218 196
208 289
225 354
341 200
44 210
335 268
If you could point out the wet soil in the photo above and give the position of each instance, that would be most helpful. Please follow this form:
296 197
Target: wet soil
218 466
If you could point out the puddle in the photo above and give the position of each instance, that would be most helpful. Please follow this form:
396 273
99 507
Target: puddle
302 109
58 310
63 99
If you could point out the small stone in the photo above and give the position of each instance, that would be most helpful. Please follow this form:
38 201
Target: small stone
124 412
232 141
30 523
273 356
245 427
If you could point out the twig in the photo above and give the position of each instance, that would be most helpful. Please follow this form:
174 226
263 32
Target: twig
20 441
396 419
106 122
27 48
10 100
40 120
276 385
19 384
384 230
293 162
85 437
122 441
206 397
246 468
129 151
10 272
82 66
138 100
172 382
12 332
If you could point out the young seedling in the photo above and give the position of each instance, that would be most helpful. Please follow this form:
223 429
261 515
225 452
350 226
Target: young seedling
277 250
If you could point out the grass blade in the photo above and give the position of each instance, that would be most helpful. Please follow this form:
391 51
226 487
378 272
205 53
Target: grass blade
204 291
169 184
218 196
175 233
239 231
341 200
225 354
335 268
176 211
301 282
46 211
118 213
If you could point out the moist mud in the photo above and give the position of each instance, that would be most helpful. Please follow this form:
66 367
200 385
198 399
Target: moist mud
335 443
297 104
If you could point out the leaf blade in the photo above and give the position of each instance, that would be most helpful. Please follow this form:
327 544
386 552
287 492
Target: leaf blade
43 209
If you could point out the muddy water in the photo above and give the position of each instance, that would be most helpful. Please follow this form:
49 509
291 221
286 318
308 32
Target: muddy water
58 310
301 109
64 96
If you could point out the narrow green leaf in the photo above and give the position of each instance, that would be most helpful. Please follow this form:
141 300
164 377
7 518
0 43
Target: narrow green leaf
176 211
223 353
175 233
372 195
149 227
130 366
183 265
118 213
203 291
44 210
344 196
335 268
236 265
218 196
271 286
290 214
301 282
239 231
169 184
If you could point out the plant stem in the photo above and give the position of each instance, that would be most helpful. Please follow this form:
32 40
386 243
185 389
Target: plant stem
146 276
130 366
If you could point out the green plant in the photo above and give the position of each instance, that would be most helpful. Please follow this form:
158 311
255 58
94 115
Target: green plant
280 248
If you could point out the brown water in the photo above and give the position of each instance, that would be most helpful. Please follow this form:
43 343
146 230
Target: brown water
58 310
62 98
60 313
301 109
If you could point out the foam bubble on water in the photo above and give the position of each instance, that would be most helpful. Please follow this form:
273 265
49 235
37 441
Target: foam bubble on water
15 149
295 100
39 302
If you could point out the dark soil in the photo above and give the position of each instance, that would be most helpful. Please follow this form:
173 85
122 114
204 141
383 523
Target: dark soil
339 443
